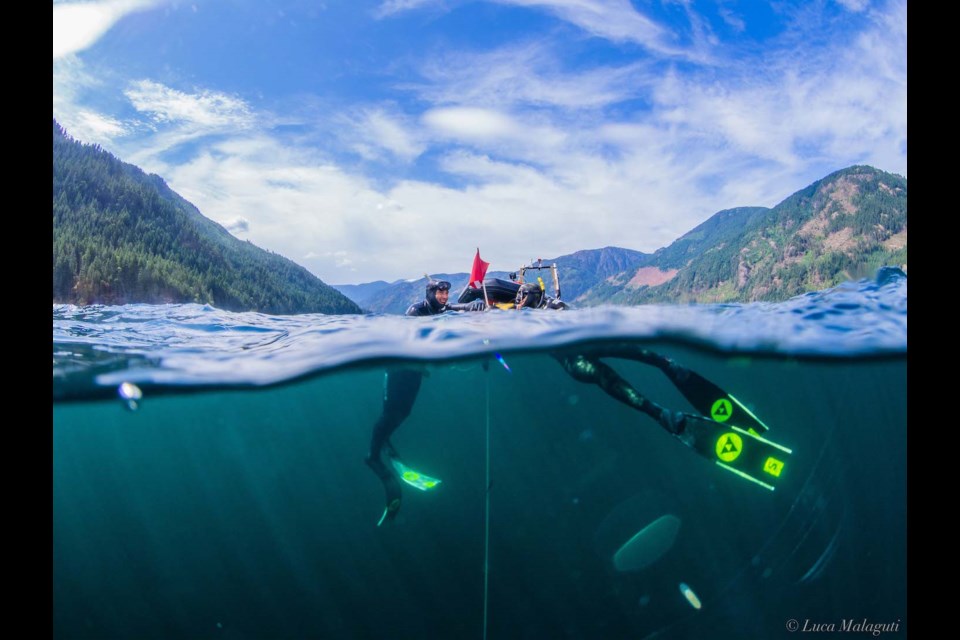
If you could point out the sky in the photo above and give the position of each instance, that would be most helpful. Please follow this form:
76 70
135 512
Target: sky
385 139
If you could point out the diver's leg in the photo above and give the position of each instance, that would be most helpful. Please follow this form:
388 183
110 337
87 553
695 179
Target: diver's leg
627 351
708 398
400 392
590 370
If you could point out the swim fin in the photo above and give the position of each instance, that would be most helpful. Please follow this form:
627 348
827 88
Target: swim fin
390 511
390 486
712 401
412 477
737 450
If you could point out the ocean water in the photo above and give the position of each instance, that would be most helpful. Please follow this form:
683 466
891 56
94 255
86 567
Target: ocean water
233 502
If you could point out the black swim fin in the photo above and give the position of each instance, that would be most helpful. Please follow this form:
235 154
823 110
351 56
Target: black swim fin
390 486
390 512
737 450
712 401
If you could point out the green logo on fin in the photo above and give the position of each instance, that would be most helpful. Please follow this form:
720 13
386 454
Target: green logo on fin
729 446
721 410
773 466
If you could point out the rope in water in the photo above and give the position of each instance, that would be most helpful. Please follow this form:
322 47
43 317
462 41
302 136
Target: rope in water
486 524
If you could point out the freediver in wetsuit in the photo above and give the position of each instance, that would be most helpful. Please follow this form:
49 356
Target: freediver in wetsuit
400 392
722 430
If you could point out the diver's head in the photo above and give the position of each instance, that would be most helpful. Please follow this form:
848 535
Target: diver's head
529 295
438 292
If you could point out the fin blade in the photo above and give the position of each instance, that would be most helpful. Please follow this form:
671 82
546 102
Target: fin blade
414 478
747 455
712 401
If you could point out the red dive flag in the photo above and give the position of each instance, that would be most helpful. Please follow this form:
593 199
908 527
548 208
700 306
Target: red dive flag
478 271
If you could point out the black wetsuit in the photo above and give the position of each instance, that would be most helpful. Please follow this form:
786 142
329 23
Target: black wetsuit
400 392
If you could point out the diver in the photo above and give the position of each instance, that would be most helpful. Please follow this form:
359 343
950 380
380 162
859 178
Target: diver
725 432
400 392
435 301
532 296
505 294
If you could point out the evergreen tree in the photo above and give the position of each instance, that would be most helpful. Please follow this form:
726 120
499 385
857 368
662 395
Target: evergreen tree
122 236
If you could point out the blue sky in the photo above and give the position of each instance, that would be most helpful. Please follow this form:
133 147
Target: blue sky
385 139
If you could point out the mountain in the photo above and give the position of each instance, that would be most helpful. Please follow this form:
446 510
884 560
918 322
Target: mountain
122 236
578 272
366 293
582 270
842 227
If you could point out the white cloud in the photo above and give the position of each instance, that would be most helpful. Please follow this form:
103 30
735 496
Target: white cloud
351 230
95 126
842 104
296 204
176 117
526 138
70 80
390 7
389 204
341 259
470 123
205 109
236 225
855 5
71 83
526 74
378 130
78 25
615 20
732 20
488 170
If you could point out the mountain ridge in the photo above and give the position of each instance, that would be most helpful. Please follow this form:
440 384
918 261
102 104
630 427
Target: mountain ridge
842 227
123 236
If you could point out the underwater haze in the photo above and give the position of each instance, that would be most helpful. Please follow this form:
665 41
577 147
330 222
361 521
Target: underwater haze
232 500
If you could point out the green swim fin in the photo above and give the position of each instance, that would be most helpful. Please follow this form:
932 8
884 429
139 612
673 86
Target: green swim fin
737 450
414 478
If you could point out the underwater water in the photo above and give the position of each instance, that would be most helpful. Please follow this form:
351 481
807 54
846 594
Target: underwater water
234 501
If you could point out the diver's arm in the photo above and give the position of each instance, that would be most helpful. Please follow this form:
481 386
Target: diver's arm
476 305
419 309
